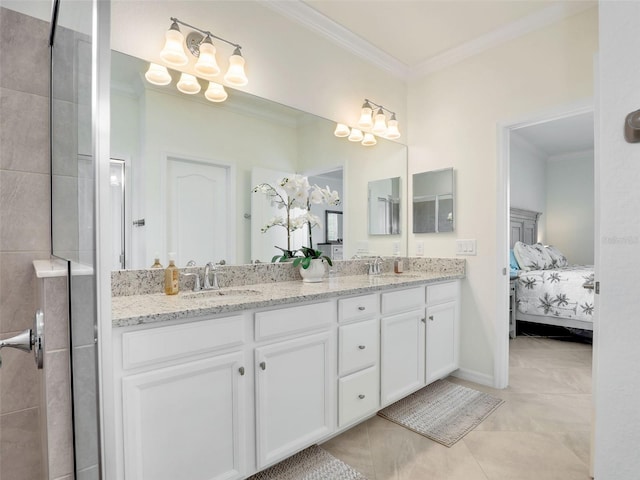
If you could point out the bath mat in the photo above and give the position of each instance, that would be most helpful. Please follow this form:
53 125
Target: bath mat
442 411
312 463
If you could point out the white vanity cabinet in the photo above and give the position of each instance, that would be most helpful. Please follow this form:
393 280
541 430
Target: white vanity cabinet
443 330
358 358
183 401
293 379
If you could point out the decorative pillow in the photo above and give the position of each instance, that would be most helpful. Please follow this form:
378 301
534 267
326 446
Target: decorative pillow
557 258
513 264
532 257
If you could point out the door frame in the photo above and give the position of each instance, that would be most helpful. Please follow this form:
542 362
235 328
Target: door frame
503 205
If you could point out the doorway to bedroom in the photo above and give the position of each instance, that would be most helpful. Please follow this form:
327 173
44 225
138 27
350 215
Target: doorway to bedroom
551 229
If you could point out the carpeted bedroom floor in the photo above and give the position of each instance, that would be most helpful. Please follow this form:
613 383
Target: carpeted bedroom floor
541 432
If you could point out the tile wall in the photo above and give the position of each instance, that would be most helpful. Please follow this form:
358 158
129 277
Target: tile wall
24 231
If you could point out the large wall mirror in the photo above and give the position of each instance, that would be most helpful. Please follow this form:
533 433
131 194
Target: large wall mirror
433 201
190 166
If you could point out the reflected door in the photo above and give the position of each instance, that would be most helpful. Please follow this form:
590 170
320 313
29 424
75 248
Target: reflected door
198 205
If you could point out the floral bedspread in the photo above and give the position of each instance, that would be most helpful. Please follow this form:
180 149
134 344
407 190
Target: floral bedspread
558 292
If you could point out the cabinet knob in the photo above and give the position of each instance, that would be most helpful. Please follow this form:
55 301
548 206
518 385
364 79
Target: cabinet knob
431 317
263 365
241 370
361 308
423 320
362 347
361 396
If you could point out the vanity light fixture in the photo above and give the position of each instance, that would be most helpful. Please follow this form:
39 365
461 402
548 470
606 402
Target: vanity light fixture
188 84
200 44
215 93
157 74
372 124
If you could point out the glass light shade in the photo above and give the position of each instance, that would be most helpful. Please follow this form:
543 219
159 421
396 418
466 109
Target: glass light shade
392 130
235 76
173 51
157 75
215 93
207 64
188 84
365 117
380 125
356 135
341 130
369 140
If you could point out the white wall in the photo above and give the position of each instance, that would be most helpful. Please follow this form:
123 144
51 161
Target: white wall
286 62
617 384
453 122
527 179
570 206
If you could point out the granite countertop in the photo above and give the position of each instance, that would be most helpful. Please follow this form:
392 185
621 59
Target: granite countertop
158 307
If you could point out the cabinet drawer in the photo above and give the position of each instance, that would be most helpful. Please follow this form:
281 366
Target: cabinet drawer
403 300
292 320
358 347
153 345
442 292
357 307
358 395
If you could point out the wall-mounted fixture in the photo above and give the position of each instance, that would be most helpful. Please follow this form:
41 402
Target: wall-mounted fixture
376 122
200 44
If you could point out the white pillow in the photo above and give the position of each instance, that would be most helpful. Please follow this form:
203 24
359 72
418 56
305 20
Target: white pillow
557 258
532 257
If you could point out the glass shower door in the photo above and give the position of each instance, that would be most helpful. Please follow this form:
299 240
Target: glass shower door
73 214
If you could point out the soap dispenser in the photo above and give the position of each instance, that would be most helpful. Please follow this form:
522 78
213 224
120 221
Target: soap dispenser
156 261
172 277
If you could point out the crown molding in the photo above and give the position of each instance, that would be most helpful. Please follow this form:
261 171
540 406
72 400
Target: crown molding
310 18
499 36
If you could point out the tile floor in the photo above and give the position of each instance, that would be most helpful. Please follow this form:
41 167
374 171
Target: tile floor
541 432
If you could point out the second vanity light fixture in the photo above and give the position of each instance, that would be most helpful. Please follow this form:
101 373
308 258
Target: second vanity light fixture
201 46
377 124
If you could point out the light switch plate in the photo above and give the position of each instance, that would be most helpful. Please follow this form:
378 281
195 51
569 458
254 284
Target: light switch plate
396 248
466 247
420 249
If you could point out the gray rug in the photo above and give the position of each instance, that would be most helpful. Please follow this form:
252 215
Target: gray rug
312 463
442 411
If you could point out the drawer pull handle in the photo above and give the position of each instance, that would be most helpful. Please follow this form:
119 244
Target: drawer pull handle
263 365
431 317
361 396
241 370
361 308
361 347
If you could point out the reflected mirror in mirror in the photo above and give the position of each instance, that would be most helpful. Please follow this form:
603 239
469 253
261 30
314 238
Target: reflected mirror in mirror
333 226
384 206
191 165
433 201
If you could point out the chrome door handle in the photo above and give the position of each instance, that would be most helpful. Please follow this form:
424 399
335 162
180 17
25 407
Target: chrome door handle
29 340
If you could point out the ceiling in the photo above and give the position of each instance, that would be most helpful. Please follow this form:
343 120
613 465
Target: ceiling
416 37
562 136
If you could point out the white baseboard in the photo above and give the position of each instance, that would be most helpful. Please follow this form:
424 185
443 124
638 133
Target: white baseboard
473 376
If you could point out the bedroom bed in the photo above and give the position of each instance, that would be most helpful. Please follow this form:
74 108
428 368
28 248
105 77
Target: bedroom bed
548 290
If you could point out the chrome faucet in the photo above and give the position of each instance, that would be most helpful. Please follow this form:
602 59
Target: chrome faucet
208 269
374 267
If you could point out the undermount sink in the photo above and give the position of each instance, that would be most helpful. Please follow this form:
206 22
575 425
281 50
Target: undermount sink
399 275
222 293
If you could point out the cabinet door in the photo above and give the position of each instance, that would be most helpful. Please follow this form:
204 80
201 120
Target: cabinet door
186 421
402 355
294 396
442 340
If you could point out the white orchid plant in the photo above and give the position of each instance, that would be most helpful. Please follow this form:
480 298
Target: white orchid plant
295 196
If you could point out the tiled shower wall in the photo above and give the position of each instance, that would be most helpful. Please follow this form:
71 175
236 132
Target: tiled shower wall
24 231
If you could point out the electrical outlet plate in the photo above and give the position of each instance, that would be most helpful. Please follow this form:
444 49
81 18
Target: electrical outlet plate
466 247
419 249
